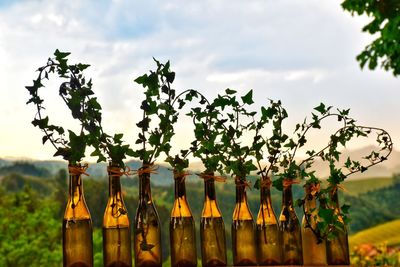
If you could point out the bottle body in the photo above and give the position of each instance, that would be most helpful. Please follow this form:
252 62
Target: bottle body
77 224
314 250
338 249
182 228
117 249
290 229
147 228
243 230
212 229
268 235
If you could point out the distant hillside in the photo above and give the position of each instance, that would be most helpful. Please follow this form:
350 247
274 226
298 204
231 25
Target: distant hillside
48 168
384 233
26 168
360 186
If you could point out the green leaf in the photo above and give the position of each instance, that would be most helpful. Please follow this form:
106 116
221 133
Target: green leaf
61 55
229 91
142 79
321 108
345 208
248 98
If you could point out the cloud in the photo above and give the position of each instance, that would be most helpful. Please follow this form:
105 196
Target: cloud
297 51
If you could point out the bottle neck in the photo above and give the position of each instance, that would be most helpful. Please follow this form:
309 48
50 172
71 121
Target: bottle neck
180 188
310 203
114 186
144 187
287 197
265 195
241 193
335 199
75 186
209 189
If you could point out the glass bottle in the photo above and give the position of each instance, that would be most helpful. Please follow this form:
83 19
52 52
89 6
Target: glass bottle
314 250
116 227
290 228
338 249
243 229
268 236
212 228
182 228
77 223
147 228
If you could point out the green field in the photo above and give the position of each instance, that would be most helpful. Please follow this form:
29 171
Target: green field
360 186
384 233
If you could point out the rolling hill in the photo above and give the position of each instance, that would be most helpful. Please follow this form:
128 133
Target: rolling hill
384 233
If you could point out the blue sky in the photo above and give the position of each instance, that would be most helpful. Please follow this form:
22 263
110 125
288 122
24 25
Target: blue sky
302 52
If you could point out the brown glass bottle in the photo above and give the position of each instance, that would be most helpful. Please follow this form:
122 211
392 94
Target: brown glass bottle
117 250
243 229
182 228
212 228
268 236
290 229
77 224
314 250
338 249
147 228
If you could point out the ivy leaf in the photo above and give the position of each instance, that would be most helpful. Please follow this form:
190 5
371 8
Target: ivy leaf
170 77
257 184
230 92
248 98
144 124
321 108
61 55
142 79
345 208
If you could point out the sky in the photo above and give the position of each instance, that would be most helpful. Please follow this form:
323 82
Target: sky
301 52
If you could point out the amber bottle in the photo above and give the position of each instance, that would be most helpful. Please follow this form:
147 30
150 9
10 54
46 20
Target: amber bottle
314 250
77 224
147 228
268 236
338 249
290 228
212 228
244 247
116 227
181 228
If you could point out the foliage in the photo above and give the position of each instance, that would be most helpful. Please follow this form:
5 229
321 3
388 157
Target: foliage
77 94
157 105
385 24
29 232
235 122
335 219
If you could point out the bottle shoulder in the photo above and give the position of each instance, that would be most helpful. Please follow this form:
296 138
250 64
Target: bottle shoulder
76 209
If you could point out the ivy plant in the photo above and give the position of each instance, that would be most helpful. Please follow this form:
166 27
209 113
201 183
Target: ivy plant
332 220
273 114
236 124
74 91
288 167
179 162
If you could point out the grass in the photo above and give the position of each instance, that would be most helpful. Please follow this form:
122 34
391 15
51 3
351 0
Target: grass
384 233
356 187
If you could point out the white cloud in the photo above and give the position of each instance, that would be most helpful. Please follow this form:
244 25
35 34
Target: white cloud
297 51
